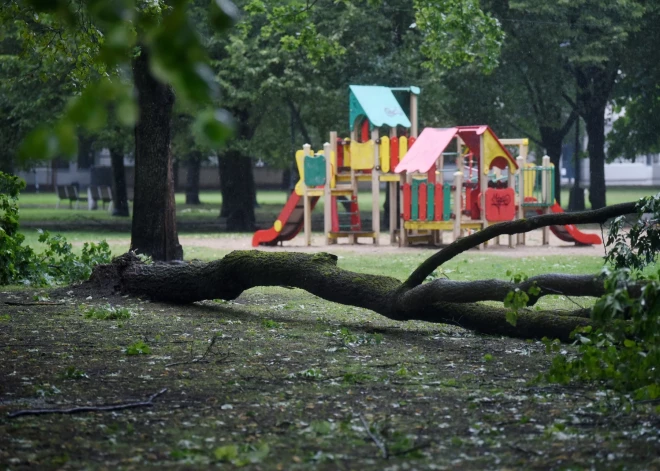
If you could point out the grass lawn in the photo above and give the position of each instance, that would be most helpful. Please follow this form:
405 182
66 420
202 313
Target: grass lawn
40 208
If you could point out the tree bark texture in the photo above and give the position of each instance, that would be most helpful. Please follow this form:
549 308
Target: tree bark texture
438 301
194 165
119 194
154 214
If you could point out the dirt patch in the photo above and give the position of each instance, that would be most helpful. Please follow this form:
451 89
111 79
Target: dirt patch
292 382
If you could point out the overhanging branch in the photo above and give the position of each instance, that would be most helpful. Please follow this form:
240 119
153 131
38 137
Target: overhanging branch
518 226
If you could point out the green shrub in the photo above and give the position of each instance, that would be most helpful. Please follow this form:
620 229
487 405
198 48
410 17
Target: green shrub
622 349
57 264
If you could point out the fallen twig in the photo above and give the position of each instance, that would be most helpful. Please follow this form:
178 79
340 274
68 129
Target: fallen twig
76 410
381 446
34 303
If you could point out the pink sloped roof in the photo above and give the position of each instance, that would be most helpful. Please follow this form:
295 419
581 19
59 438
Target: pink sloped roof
426 150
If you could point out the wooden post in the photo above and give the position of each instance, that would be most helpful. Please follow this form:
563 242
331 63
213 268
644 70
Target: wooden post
307 214
520 160
458 208
403 235
393 194
375 189
482 173
328 147
413 115
545 190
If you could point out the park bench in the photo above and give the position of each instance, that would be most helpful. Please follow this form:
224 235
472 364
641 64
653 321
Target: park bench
102 193
66 192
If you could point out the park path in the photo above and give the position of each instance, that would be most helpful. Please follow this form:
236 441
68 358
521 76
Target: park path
532 248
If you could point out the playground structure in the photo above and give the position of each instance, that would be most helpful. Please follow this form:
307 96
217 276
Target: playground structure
440 189
336 172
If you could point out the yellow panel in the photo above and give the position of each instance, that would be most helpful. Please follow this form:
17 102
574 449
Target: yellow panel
278 226
347 155
530 179
403 147
362 155
300 163
384 152
492 150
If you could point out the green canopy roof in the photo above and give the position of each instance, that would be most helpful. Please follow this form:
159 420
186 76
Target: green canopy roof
378 104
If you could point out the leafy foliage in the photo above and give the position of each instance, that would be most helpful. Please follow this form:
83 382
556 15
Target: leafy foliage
622 351
517 299
57 264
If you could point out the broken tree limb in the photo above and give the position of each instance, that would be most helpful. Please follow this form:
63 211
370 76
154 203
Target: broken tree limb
440 301
319 275
518 226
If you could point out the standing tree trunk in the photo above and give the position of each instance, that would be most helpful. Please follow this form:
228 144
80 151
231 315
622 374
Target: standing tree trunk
119 195
194 165
595 125
594 87
238 191
153 231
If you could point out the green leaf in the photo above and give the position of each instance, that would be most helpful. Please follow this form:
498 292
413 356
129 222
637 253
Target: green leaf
512 317
226 453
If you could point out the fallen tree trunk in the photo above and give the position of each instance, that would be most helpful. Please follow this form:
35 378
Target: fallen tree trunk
438 301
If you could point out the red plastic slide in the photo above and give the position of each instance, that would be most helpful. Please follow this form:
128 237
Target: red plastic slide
570 233
288 224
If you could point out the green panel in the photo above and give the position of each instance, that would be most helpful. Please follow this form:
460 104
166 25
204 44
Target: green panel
314 169
414 213
446 202
430 193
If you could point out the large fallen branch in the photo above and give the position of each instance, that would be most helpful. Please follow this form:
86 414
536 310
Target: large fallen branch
439 301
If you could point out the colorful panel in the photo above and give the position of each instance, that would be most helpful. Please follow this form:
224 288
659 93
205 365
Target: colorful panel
414 205
500 204
446 200
407 201
437 214
403 147
423 203
362 155
314 170
384 152
394 152
430 188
